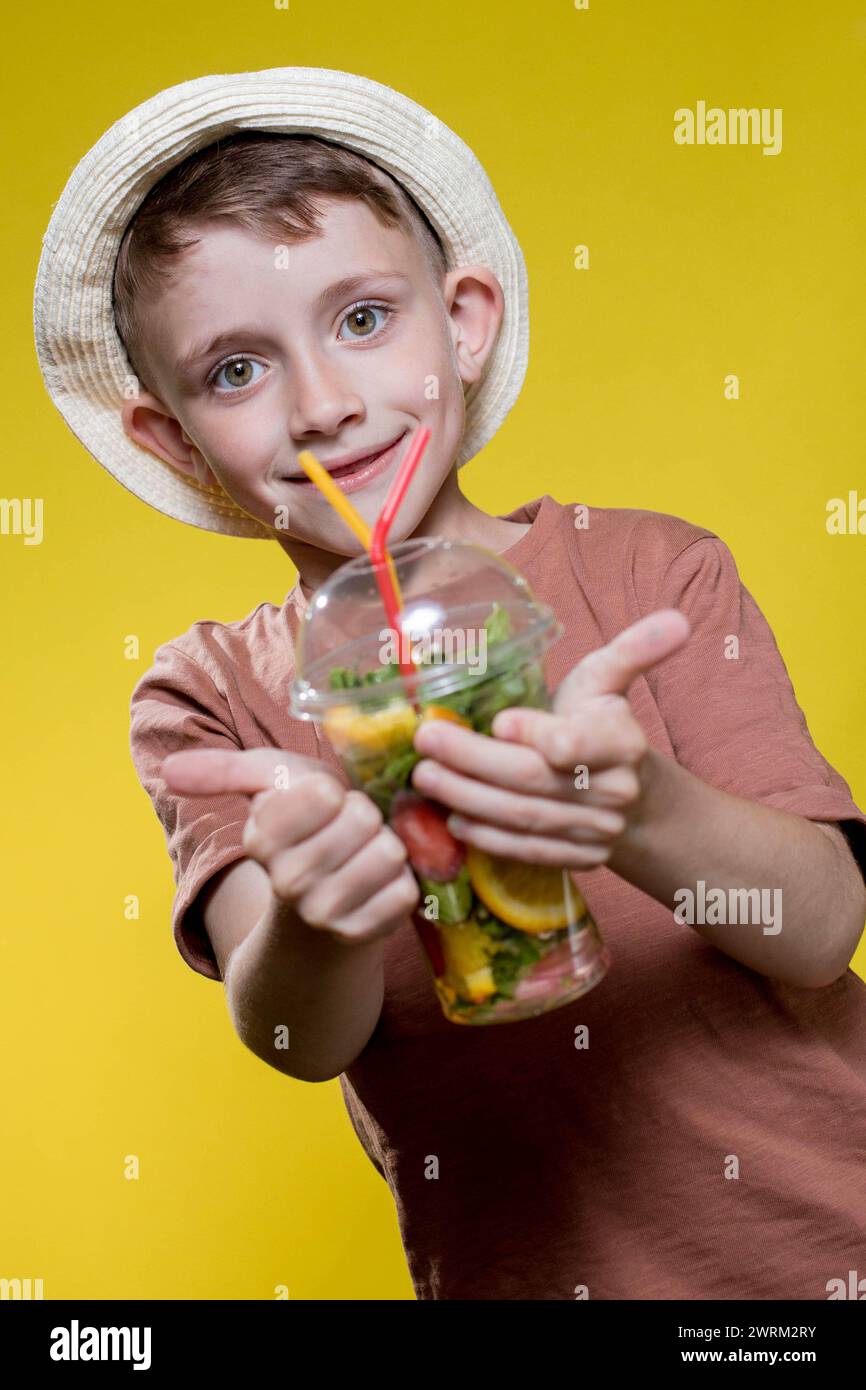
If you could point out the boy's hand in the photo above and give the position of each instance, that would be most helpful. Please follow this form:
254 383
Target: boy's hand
326 848
522 797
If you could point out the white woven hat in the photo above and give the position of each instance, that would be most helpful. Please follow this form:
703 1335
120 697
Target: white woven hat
81 356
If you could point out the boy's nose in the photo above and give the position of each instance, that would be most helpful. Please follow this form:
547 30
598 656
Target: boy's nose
322 401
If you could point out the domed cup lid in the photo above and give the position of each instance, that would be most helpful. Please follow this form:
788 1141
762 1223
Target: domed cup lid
467 614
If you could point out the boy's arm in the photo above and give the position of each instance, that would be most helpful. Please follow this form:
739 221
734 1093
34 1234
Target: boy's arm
740 801
684 831
282 976
275 968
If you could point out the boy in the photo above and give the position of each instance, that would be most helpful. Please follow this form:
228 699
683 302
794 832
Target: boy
280 291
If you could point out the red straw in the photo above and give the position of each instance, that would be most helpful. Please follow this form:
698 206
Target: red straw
378 555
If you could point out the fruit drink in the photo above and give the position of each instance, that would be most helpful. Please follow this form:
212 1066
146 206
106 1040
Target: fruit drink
505 939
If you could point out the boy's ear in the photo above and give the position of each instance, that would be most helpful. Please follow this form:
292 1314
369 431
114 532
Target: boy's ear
149 423
475 302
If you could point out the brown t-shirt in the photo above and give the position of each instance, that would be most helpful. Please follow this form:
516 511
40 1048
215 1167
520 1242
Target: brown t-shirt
610 1166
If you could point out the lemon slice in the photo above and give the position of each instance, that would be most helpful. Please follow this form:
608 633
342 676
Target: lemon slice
348 730
467 950
530 897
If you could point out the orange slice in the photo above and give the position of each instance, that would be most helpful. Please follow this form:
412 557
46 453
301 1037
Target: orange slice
530 897
442 712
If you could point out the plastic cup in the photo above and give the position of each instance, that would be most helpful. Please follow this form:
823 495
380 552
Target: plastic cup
505 940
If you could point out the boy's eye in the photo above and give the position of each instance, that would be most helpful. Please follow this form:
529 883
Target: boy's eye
238 373
361 320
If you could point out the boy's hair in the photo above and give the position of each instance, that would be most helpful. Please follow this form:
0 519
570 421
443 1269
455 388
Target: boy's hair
265 181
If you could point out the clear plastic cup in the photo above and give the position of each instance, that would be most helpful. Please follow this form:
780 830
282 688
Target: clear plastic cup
505 940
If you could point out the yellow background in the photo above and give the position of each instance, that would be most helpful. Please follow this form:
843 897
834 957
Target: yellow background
704 261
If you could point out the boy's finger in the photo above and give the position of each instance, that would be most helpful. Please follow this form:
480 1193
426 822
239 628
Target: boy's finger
595 736
209 771
610 670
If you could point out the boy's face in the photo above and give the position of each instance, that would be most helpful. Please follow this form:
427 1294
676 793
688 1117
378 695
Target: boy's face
307 364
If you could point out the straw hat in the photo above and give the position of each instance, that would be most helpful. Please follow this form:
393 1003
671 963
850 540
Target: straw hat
81 357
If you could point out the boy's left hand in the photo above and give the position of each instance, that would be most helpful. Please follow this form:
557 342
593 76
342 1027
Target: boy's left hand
520 796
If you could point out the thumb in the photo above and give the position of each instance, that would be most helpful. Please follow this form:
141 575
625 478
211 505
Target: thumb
610 670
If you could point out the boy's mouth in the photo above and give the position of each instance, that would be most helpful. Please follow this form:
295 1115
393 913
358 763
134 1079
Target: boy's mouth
360 468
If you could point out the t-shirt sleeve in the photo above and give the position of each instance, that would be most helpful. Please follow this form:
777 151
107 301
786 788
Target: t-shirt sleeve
728 702
176 707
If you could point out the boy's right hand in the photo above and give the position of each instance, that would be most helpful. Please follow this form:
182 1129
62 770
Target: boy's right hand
326 848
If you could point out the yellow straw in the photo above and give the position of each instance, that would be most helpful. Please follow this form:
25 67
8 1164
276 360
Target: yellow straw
341 504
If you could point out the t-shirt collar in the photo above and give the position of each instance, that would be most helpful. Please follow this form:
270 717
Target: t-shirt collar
538 513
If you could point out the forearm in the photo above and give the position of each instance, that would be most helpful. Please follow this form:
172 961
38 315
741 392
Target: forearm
291 982
684 831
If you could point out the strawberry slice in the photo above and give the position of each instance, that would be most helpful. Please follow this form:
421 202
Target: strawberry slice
432 849
554 970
